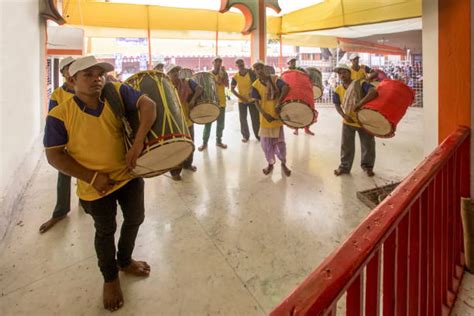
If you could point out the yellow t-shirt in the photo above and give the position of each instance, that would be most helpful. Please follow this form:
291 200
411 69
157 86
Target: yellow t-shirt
341 92
59 95
266 104
220 90
244 84
359 74
94 138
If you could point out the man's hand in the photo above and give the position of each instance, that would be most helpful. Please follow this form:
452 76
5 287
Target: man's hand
268 117
278 109
103 183
132 155
348 118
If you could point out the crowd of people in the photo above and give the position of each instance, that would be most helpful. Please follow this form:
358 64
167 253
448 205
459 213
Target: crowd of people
84 139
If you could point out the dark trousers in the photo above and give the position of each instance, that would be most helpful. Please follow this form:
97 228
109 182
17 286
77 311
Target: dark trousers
103 211
254 116
367 144
188 162
63 196
219 128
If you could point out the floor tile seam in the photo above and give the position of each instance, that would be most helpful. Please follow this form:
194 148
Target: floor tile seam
222 254
46 276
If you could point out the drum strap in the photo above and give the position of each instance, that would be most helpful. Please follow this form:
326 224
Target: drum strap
114 99
115 102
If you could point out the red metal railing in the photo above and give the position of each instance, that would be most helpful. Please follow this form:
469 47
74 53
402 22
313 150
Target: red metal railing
406 257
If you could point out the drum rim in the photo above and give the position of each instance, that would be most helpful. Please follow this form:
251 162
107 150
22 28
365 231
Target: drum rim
388 135
313 111
143 72
296 101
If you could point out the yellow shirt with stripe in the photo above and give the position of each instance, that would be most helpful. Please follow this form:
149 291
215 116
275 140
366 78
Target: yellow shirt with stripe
220 89
267 105
60 95
244 84
359 74
338 98
94 139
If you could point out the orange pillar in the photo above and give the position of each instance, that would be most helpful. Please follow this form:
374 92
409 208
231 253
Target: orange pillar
454 65
150 61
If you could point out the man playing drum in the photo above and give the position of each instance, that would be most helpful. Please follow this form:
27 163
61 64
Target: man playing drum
243 80
63 189
360 95
84 139
292 66
360 71
188 92
222 81
268 91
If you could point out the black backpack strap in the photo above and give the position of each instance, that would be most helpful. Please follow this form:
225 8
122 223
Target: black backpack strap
114 99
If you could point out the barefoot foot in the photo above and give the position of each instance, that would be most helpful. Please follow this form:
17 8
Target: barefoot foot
268 169
49 224
285 170
112 295
137 268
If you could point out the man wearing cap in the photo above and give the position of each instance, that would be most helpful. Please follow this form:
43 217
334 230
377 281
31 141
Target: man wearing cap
188 92
360 71
63 188
350 124
84 139
243 80
268 91
222 81
159 67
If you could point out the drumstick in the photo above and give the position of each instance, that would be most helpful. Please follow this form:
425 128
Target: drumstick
288 120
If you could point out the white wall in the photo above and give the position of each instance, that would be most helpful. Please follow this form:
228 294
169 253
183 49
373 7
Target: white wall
430 74
21 99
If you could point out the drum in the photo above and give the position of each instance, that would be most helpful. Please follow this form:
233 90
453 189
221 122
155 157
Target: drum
298 105
207 108
381 116
168 143
317 80
185 73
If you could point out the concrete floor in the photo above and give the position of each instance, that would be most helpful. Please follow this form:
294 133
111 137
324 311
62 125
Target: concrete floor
227 240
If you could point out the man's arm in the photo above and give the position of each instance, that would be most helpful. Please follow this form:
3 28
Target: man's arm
371 94
198 90
147 109
61 160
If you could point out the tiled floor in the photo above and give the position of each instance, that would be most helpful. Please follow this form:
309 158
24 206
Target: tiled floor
227 240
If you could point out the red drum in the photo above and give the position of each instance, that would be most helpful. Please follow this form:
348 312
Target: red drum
298 106
381 116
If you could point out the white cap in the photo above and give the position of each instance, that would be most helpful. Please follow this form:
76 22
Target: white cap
170 67
342 66
65 62
354 56
87 62
290 59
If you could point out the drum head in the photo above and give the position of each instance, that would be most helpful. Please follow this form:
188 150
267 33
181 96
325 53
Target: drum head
163 158
317 92
204 113
296 114
375 123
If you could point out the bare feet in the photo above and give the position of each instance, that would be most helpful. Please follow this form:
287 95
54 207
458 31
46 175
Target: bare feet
202 147
190 168
295 132
176 177
221 145
49 224
370 172
244 140
268 169
112 295
340 171
285 170
309 132
137 268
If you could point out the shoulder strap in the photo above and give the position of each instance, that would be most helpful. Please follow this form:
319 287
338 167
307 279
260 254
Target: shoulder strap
114 99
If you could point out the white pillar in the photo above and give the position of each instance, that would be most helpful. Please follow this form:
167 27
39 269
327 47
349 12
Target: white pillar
430 74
